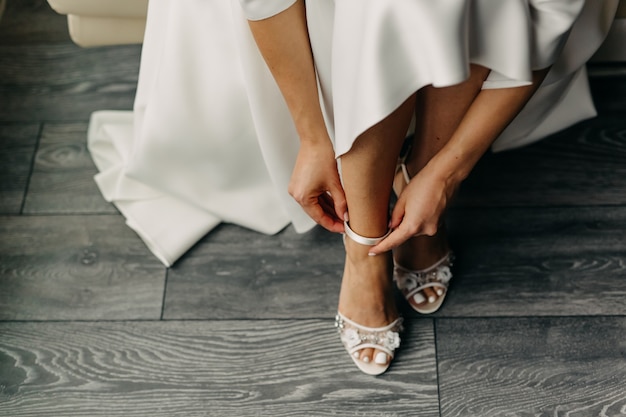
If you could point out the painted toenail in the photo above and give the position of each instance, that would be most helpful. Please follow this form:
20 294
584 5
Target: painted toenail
366 359
381 358
432 299
356 354
419 298
440 292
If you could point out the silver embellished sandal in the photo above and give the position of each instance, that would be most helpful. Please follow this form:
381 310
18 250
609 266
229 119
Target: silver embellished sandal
356 337
412 282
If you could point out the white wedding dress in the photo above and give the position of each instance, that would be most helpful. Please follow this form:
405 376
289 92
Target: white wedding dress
210 139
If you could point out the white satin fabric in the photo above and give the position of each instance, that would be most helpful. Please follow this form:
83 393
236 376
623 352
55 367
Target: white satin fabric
210 139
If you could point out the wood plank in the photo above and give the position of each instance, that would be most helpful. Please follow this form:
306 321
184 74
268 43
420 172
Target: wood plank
536 367
519 262
61 81
27 22
17 149
62 179
216 368
76 268
582 165
289 275
510 262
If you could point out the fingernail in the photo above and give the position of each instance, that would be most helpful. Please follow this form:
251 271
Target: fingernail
345 216
371 254
381 358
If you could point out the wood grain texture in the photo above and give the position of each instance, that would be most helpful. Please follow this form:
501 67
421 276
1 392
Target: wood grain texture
536 367
61 81
520 262
582 165
215 368
62 179
237 273
510 262
76 268
17 147
27 22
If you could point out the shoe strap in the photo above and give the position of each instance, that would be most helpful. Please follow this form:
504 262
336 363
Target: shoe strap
367 241
422 287
397 323
405 172
385 338
447 257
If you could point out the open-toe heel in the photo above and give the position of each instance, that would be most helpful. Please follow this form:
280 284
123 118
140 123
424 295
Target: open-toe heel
413 282
356 337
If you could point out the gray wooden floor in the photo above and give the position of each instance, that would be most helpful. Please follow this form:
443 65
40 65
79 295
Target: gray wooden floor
91 324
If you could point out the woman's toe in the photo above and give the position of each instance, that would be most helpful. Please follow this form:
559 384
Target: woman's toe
367 355
419 298
381 358
430 294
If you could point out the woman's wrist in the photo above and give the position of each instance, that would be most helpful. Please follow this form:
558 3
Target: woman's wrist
313 134
452 166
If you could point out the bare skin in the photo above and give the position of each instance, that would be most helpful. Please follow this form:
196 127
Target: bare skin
423 201
367 291
453 136
368 169
438 113
315 184
458 125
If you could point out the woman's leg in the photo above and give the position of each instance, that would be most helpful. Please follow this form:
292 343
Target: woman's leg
423 201
367 171
438 113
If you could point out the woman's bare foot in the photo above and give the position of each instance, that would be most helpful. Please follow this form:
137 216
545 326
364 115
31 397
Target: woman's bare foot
366 295
423 253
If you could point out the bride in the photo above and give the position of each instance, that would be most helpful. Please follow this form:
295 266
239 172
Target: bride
243 105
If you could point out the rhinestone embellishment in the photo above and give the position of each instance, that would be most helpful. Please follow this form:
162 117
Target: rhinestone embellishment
409 280
353 336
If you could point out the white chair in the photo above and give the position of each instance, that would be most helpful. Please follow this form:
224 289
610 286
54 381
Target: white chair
118 22
104 22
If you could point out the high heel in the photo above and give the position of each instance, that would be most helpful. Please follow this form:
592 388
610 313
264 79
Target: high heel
412 282
356 337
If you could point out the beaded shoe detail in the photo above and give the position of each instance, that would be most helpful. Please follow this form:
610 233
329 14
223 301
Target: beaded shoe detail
412 282
356 337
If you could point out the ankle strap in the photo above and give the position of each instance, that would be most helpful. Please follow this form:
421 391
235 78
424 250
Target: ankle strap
367 241
405 172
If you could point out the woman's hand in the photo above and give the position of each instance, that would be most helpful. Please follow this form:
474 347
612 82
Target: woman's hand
419 208
316 186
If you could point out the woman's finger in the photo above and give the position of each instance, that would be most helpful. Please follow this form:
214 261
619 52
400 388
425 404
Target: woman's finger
397 214
326 202
339 200
316 210
395 239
